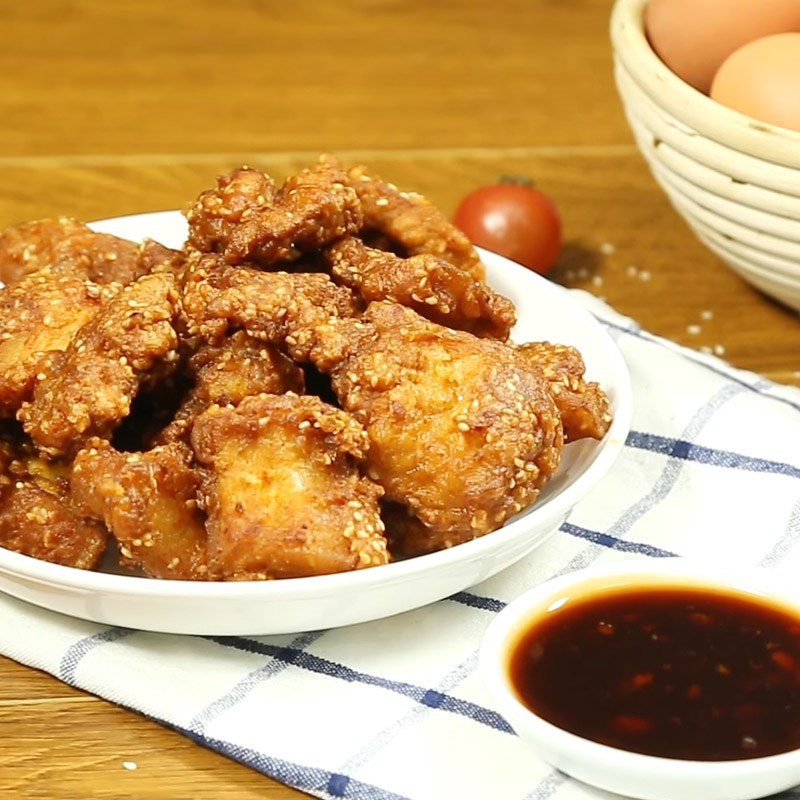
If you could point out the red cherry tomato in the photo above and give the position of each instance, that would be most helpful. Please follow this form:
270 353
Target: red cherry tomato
516 221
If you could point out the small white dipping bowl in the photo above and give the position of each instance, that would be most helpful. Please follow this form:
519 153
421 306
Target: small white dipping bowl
621 771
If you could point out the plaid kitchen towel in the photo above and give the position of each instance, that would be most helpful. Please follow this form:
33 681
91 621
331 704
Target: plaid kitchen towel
396 709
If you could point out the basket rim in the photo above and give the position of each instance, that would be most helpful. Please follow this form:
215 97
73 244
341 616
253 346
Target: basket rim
692 108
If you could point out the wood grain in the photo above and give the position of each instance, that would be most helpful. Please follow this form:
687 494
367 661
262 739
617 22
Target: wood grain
144 76
73 746
117 108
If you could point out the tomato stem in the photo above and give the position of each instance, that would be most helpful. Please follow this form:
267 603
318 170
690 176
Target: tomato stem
517 180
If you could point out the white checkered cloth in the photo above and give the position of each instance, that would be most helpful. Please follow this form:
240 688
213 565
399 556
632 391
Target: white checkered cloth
396 709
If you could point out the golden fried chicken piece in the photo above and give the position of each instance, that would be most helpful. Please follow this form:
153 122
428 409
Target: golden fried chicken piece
88 389
29 246
268 305
430 285
244 219
149 503
39 315
412 222
227 372
37 515
583 405
100 257
284 495
461 429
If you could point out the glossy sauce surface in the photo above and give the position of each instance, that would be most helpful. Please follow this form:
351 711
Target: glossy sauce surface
674 672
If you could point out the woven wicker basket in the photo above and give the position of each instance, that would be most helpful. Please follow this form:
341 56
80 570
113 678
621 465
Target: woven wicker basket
735 180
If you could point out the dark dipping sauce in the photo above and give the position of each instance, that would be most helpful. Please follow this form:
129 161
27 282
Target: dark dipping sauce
673 672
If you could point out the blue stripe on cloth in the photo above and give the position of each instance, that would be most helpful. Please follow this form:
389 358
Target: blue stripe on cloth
546 788
478 601
790 537
680 448
663 485
596 537
248 683
76 652
392 731
322 666
308 779
298 776
615 543
729 374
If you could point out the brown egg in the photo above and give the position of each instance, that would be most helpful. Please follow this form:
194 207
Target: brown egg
694 37
762 80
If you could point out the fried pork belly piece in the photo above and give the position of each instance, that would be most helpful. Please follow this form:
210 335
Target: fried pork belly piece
88 389
226 372
37 515
412 222
245 219
149 503
583 405
268 305
431 286
462 430
284 495
100 257
39 315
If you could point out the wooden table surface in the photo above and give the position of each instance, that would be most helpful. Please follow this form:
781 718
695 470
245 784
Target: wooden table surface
115 108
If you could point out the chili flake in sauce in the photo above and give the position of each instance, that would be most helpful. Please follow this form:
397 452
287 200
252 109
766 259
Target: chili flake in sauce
685 673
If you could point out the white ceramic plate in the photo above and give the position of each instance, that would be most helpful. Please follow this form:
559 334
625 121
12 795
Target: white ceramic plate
546 311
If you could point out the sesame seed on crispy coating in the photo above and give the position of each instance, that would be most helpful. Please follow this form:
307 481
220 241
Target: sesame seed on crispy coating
462 431
149 503
271 306
412 222
67 243
283 490
245 219
226 372
430 285
582 404
38 517
91 385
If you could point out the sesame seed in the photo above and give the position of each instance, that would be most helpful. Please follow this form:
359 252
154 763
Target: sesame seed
693 330
706 315
607 249
644 275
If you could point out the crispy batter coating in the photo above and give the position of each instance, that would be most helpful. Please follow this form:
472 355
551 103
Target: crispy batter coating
39 315
461 429
100 257
414 223
433 287
88 389
245 219
30 246
227 372
583 405
268 305
149 503
37 515
284 495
